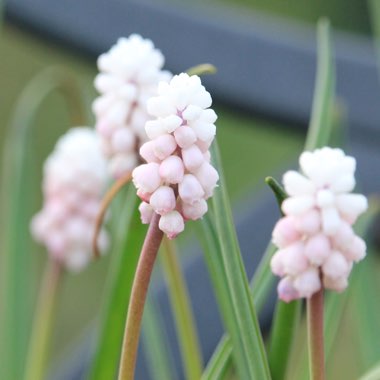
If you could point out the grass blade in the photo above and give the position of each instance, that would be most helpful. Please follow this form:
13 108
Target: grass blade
241 321
221 362
16 277
321 122
130 236
155 345
183 315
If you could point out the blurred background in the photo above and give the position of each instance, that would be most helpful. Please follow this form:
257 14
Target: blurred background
265 55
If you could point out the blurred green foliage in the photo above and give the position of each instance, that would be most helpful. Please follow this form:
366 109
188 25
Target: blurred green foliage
348 15
243 141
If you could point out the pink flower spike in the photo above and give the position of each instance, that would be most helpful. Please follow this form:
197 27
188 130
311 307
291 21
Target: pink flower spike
172 224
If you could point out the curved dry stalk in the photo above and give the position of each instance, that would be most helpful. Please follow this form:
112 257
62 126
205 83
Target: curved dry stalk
106 201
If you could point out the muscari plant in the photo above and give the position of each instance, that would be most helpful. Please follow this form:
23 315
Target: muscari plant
155 135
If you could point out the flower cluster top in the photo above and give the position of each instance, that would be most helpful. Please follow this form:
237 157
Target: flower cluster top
129 75
75 175
317 245
178 177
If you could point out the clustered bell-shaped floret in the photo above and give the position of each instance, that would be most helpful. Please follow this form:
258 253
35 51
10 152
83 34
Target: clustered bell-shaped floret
317 245
129 75
75 176
178 178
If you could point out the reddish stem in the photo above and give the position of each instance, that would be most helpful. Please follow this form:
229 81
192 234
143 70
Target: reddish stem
315 336
136 306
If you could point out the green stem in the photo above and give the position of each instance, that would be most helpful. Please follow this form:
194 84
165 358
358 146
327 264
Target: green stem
136 306
43 321
184 319
315 336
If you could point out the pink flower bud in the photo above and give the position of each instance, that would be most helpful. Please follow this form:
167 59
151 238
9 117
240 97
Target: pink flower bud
204 131
342 240
192 158
185 137
276 263
123 140
146 212
352 205
293 259
144 196
154 128
192 112
163 200
308 223
190 190
172 170
317 249
164 146
208 178
195 210
338 284
298 205
296 184
286 291
147 152
160 106
171 123
284 232
172 224
121 164
104 128
330 220
307 283
336 266
56 244
146 177
356 251
325 198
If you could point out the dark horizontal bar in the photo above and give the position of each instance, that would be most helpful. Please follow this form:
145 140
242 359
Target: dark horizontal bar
264 66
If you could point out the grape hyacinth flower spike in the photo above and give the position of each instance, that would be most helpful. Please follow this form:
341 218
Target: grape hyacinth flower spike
75 176
178 178
316 241
129 74
174 184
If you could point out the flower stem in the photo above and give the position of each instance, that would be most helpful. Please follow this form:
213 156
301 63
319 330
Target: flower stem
183 315
43 320
315 336
136 306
